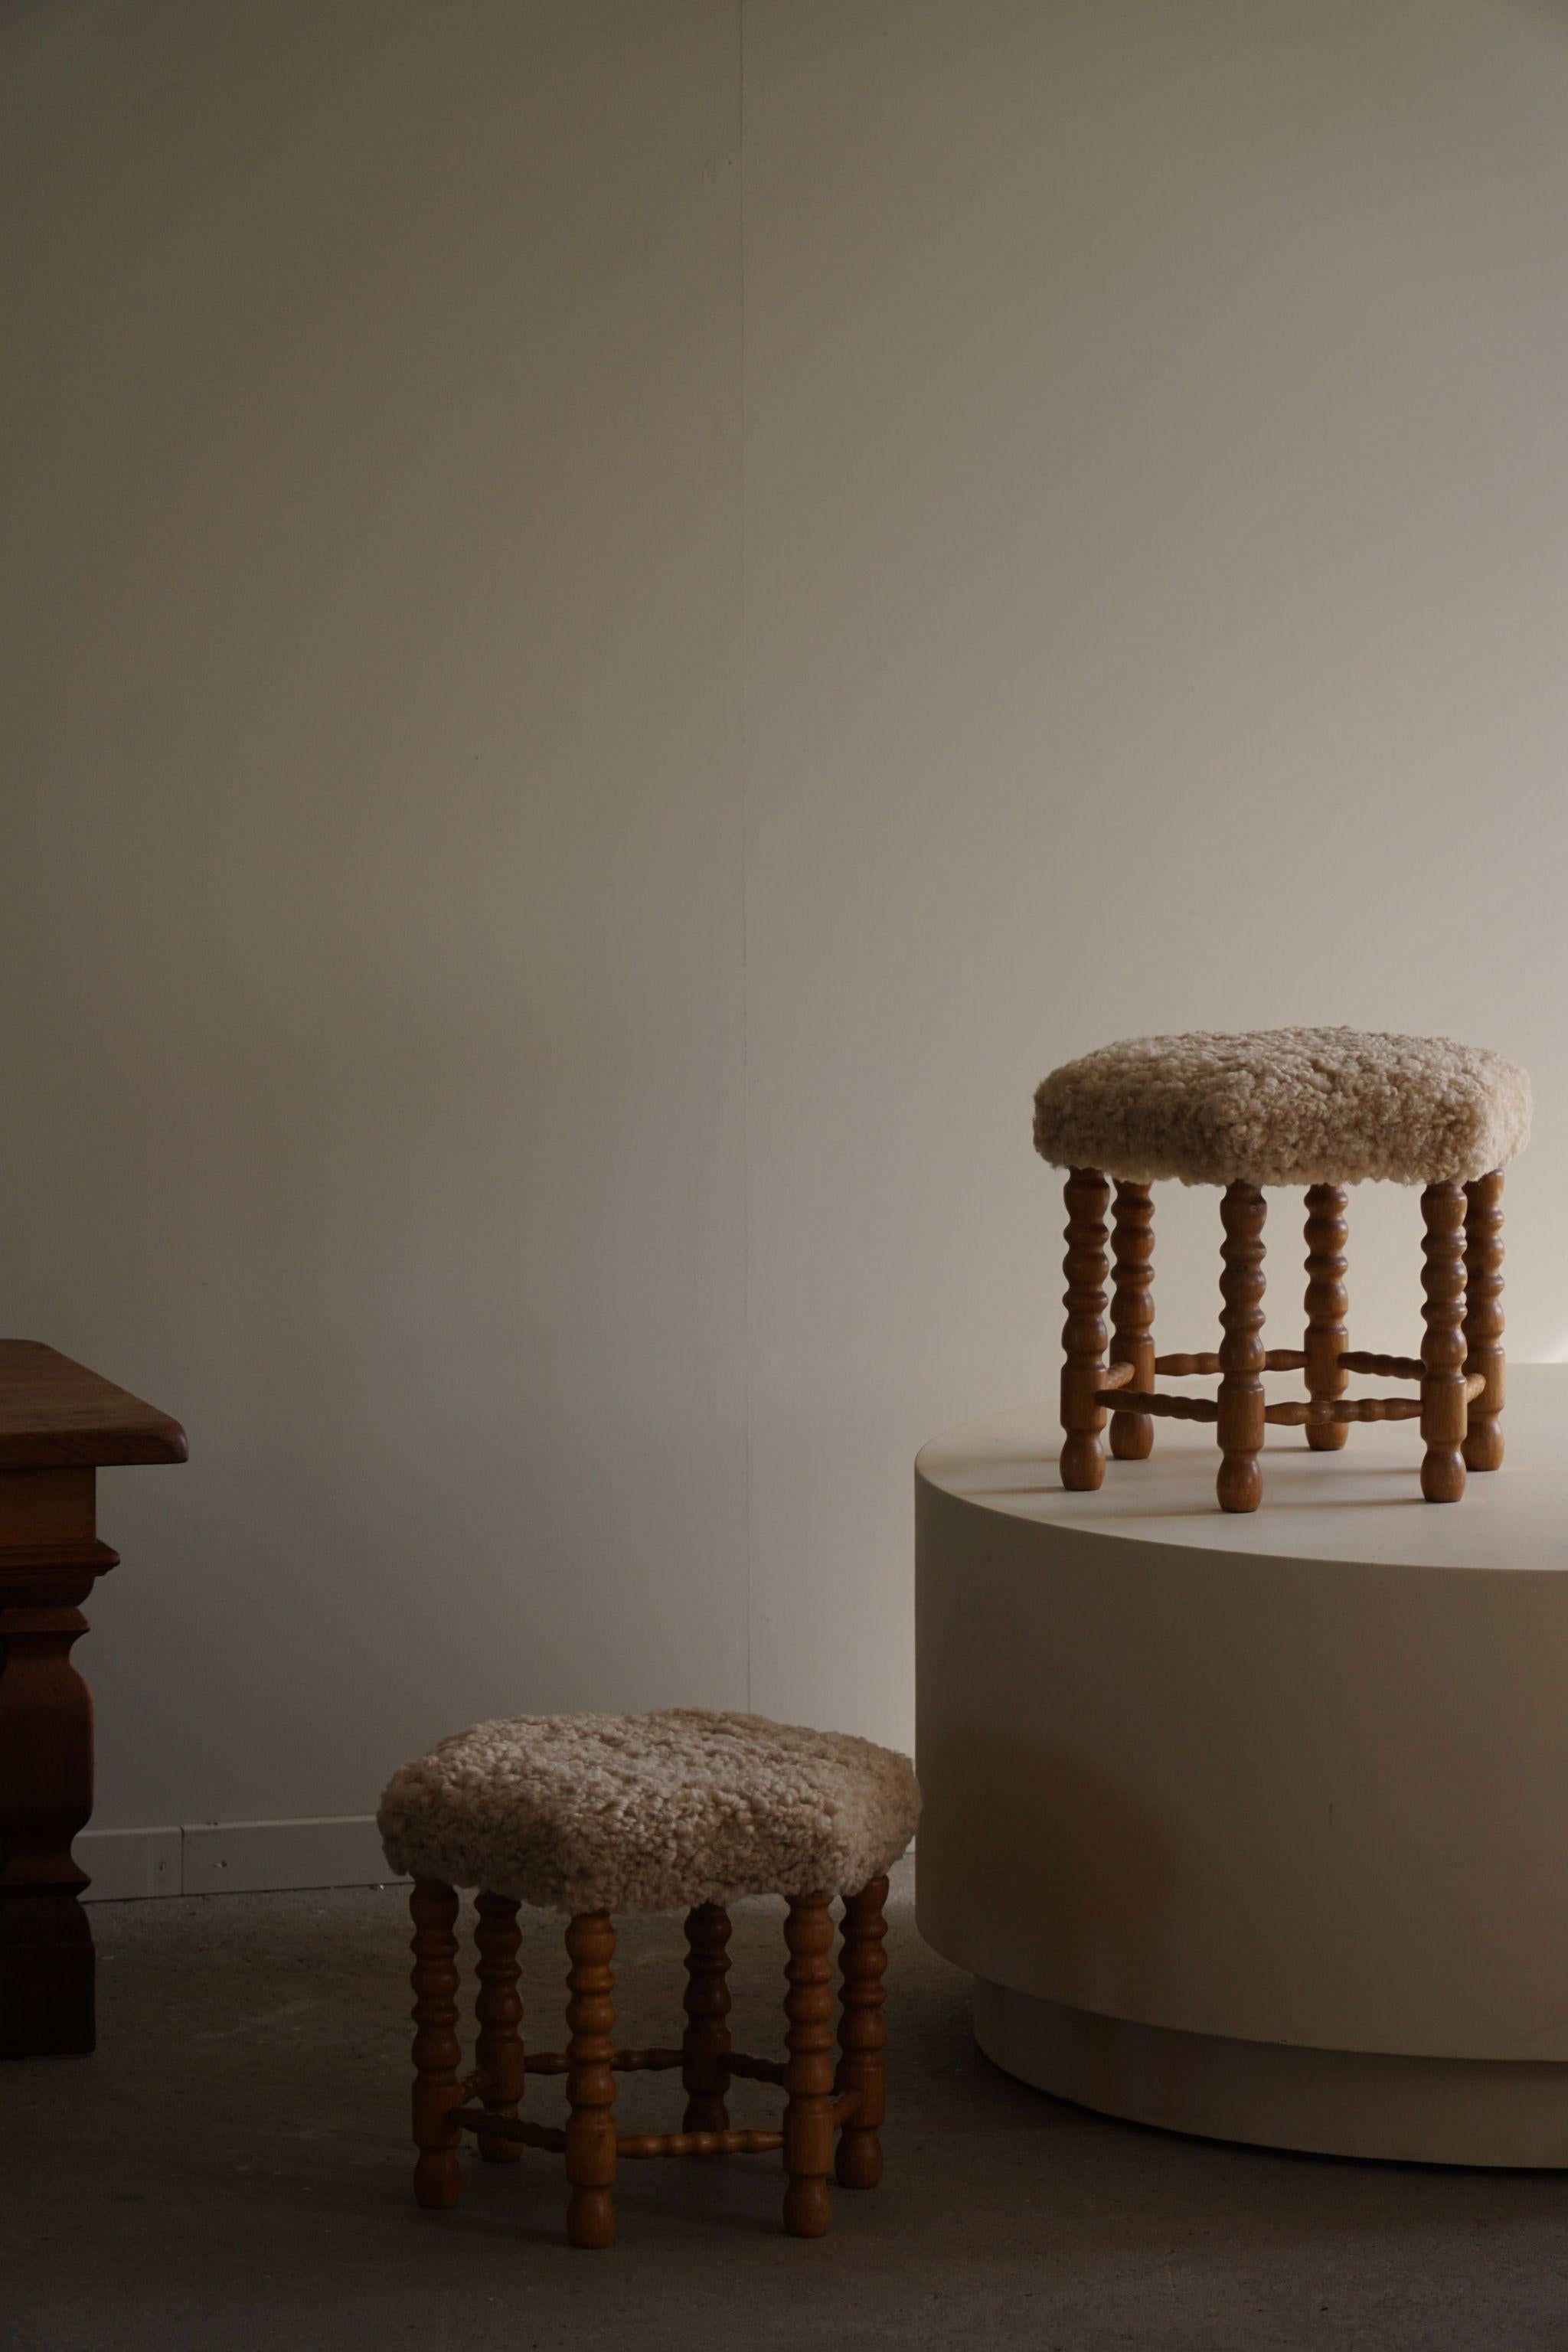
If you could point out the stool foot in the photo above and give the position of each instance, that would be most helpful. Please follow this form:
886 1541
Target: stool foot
590 2084
705 2044
861 2036
1444 1417
1132 1312
1326 1305
499 2009
808 2080
1483 1319
438 2179
1241 1423
1087 1196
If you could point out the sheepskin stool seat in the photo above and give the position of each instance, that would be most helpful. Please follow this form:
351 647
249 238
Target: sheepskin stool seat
1321 1109
681 1809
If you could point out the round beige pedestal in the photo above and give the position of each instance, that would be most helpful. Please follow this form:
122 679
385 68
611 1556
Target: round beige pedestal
1258 1827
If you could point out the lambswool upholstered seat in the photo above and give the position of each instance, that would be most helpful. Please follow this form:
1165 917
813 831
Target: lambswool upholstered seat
681 1809
1323 1108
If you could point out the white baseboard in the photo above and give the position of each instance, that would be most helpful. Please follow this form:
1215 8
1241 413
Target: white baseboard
232 1858
126 1864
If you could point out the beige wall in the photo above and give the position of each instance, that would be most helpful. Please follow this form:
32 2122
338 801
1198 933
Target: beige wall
374 883
529 1053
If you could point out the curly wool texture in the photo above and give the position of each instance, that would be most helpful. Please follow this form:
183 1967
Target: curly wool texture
649 1813
1285 1106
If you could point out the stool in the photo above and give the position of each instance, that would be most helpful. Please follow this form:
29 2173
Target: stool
683 1810
1322 1109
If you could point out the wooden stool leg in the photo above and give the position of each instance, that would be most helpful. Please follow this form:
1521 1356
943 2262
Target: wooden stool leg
1083 1336
705 2044
499 2012
1483 1318
437 2049
590 2084
1326 1305
1443 1414
1241 1400
1132 1313
808 2077
861 2036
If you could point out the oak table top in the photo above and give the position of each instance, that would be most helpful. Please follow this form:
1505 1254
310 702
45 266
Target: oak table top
54 1415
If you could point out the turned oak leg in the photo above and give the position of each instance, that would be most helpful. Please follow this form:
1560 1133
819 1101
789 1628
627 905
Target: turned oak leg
1483 1319
590 2084
808 2076
498 2009
50 1556
437 2049
705 2044
1443 1414
1327 1303
1241 1398
1083 1335
861 2036
1132 1313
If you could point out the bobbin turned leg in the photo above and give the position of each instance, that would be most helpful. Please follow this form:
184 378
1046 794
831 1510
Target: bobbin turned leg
1483 1319
861 2036
1327 1303
590 2084
499 2009
1132 1313
1443 1414
808 2075
705 2044
1241 1398
437 2049
1088 1195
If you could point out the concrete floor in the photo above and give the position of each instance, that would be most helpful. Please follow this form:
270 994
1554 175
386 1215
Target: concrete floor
230 2173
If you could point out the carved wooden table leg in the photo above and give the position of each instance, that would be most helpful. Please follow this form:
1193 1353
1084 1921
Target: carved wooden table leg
1326 1305
1443 1410
808 2080
861 2036
49 1559
438 2179
1132 1313
1241 1398
590 2084
59 1424
498 2009
705 2044
1483 1318
1087 1196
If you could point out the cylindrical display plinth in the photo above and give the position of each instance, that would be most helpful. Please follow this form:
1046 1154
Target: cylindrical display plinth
1257 1826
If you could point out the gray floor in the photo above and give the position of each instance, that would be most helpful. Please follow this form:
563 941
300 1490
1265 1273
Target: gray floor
230 2172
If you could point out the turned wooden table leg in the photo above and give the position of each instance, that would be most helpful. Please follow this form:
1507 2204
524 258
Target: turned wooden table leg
498 2009
1087 1196
590 2084
1132 1313
58 1424
1483 1319
1327 1305
1443 1412
1241 1398
808 2080
862 2035
705 2044
437 2049
48 1559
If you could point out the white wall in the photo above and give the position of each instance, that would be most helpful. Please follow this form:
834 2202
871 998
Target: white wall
528 1050
373 903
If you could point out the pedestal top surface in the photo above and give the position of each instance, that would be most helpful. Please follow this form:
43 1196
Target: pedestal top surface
1362 1504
